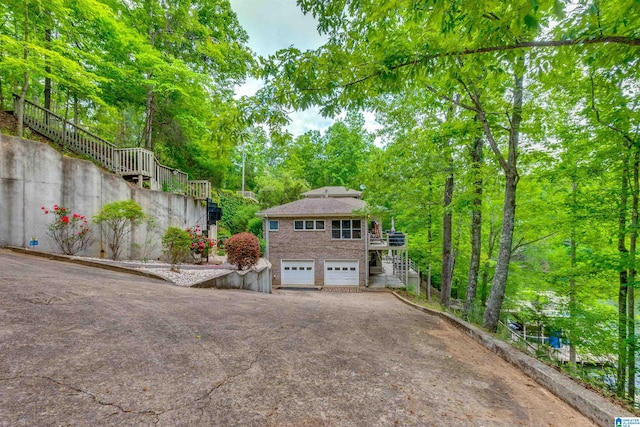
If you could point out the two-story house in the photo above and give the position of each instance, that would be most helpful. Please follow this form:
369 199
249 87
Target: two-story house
322 239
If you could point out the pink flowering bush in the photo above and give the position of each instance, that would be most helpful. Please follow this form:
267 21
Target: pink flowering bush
200 244
70 232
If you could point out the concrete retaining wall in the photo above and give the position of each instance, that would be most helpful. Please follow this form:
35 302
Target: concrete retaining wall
257 280
33 174
590 404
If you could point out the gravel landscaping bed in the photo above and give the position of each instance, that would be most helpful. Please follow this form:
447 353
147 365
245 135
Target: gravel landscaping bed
187 277
184 275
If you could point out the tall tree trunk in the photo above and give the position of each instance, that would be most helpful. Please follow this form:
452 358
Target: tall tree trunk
631 325
498 288
25 83
455 249
429 239
476 226
484 292
75 108
148 124
1 93
572 279
500 277
623 279
445 292
47 70
150 104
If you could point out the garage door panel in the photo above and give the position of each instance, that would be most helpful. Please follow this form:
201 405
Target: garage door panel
341 273
297 272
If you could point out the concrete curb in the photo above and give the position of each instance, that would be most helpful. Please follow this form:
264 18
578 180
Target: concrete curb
590 404
243 280
88 263
256 279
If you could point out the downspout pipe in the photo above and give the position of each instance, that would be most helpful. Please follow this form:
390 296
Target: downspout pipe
266 237
366 252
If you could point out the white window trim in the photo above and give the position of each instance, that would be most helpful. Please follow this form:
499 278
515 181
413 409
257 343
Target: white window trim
304 224
347 219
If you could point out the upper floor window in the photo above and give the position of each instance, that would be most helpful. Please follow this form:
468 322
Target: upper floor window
308 224
274 225
345 229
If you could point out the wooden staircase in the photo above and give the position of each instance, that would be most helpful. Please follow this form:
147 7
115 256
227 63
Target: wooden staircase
135 164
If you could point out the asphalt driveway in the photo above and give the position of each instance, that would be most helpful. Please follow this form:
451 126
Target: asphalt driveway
88 347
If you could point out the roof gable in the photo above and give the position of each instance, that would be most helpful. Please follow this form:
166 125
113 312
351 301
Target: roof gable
335 192
316 206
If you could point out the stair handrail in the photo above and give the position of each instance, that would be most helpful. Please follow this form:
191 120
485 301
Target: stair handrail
112 160
93 135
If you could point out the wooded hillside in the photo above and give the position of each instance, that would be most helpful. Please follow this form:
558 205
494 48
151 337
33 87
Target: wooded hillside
510 148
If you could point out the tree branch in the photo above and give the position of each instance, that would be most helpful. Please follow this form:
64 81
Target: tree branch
455 101
625 135
487 49
521 243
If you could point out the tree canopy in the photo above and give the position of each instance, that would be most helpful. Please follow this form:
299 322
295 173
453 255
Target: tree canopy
509 147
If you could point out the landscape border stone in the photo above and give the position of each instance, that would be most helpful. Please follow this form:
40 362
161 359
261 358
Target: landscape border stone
590 404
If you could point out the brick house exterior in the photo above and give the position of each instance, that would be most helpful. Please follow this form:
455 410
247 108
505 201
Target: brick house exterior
319 240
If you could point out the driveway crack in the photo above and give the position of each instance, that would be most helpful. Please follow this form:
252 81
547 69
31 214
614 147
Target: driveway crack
120 409
227 380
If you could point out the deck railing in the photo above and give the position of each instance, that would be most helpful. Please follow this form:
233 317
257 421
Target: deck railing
123 161
199 190
172 180
388 240
136 161
248 195
69 135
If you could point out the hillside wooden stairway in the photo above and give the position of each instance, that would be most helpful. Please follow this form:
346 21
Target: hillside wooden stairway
135 164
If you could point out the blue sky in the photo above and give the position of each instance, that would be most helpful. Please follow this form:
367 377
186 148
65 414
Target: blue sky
278 24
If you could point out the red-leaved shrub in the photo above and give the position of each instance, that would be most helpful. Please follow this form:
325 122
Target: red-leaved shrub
243 250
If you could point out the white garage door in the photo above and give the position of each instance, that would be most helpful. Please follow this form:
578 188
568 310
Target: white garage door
297 272
341 273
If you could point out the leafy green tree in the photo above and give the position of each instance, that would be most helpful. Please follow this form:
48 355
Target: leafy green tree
177 245
279 189
236 211
477 51
27 55
205 40
116 220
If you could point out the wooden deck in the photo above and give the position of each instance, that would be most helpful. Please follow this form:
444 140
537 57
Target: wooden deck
136 164
387 241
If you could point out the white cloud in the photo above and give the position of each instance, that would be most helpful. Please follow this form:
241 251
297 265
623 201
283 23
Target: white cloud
278 24
304 121
249 88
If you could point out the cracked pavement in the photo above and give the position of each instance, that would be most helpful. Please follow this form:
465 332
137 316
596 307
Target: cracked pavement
87 347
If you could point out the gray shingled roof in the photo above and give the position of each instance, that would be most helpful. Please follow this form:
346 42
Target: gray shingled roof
321 206
332 192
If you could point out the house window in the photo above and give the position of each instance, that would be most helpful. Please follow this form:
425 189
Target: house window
308 225
274 225
346 229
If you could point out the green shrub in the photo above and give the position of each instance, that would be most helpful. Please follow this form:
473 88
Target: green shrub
177 245
116 220
243 250
255 227
236 212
